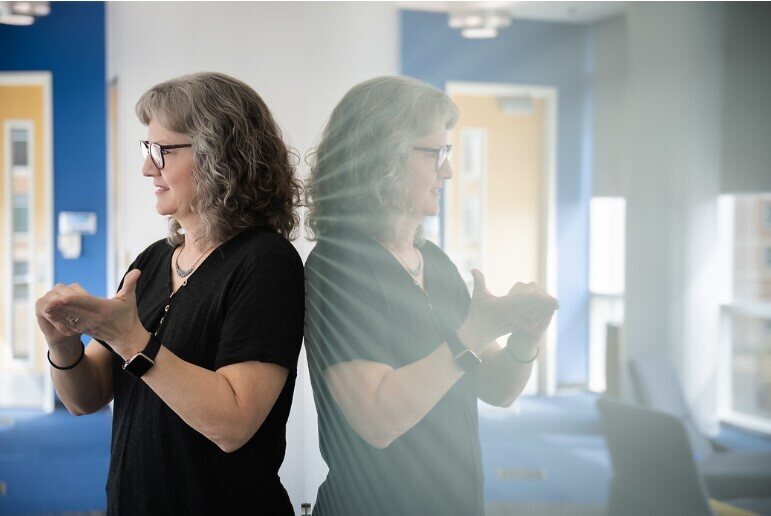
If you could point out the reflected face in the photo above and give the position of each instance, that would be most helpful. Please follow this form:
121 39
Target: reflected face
174 186
426 182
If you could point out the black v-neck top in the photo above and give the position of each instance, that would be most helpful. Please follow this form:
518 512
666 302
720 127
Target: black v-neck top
244 302
362 304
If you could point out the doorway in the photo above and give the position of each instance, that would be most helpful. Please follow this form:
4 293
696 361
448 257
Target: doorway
500 208
26 237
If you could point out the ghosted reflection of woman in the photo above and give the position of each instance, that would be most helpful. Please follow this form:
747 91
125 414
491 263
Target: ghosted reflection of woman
398 350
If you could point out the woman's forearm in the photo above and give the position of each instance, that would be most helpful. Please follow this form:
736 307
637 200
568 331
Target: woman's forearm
82 389
502 378
407 394
382 406
207 400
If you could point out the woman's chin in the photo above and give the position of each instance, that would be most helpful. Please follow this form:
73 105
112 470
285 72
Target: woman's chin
431 211
164 210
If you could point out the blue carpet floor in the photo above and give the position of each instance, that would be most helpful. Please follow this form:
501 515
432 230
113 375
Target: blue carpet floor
53 462
552 450
543 450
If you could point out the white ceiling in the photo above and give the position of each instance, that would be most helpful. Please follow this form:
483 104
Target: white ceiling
563 12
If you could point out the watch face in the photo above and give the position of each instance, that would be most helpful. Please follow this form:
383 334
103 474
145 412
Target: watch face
468 361
138 365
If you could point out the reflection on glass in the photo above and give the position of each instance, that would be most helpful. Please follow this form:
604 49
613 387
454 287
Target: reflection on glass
471 190
607 237
752 252
751 366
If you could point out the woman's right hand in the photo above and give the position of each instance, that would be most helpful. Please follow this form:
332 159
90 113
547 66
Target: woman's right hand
57 335
491 316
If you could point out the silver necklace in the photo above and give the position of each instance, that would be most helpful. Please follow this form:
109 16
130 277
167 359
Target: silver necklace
417 270
182 273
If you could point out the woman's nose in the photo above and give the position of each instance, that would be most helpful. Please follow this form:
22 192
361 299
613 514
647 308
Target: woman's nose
446 170
148 168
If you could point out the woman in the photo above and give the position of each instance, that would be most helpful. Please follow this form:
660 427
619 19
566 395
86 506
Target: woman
199 346
398 353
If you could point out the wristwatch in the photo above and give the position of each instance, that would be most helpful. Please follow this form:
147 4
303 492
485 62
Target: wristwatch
140 363
463 356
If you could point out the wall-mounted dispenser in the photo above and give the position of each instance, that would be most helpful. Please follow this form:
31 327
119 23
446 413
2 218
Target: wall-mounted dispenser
72 225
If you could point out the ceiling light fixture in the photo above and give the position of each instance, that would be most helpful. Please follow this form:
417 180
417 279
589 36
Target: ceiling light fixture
22 13
479 24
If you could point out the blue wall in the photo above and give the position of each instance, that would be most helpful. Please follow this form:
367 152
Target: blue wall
70 43
534 53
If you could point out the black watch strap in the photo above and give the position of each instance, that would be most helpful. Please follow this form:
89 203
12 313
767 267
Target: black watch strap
463 356
140 363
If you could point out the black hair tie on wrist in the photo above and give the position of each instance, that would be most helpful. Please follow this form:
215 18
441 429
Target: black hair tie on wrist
510 350
82 354
516 358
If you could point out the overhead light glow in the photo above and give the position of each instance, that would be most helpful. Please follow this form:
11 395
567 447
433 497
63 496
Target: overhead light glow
16 19
479 23
480 33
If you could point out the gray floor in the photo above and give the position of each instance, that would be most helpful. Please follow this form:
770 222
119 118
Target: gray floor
542 509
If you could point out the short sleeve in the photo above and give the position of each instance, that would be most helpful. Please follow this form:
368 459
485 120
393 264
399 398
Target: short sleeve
451 286
463 298
345 316
263 318
136 264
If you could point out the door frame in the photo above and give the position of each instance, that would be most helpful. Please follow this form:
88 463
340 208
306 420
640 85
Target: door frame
43 275
547 360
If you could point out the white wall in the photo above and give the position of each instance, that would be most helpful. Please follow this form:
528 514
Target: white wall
744 106
301 58
682 100
671 162
608 103
746 98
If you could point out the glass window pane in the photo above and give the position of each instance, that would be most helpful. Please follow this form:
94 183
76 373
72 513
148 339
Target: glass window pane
22 198
19 148
21 319
21 291
607 238
20 213
752 240
751 366
20 269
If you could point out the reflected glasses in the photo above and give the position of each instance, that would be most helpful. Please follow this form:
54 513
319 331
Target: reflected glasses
158 151
442 153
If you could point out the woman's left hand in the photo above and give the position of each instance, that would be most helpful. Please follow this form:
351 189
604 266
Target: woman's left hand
115 321
539 314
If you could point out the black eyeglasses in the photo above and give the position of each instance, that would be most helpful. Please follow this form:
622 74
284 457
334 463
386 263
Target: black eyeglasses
157 151
442 153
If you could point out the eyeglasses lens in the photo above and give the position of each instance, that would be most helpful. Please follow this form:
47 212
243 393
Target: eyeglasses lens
442 156
157 154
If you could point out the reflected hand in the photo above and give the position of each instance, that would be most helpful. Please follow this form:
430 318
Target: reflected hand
527 310
534 312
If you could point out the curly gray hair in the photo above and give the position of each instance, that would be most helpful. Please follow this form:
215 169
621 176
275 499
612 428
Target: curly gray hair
244 173
358 176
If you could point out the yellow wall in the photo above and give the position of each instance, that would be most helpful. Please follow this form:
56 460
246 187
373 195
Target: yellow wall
23 103
514 190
